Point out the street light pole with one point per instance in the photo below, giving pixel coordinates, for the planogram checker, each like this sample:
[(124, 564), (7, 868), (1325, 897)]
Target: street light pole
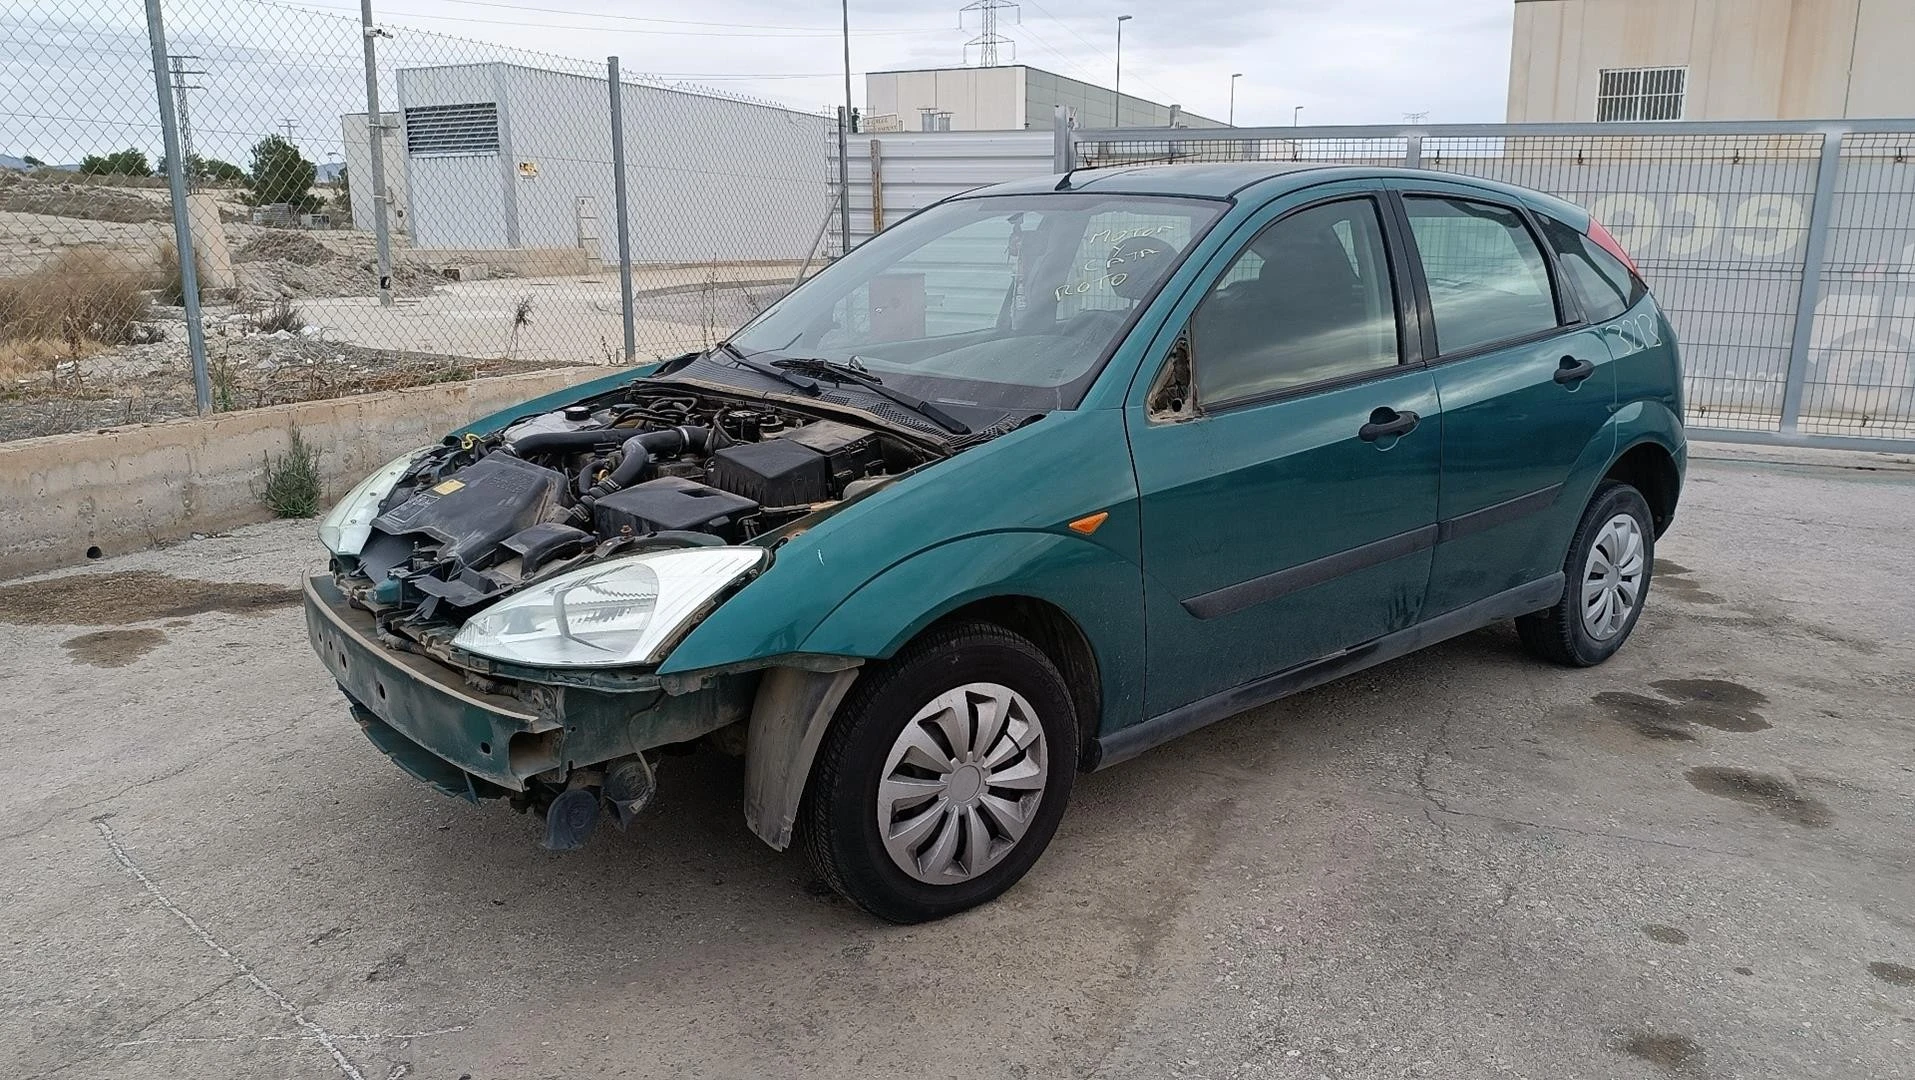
[(1232, 121), (1117, 92), (1293, 115), (844, 141)]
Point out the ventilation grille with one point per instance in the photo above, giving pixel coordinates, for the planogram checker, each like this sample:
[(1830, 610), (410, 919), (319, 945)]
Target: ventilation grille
[(438, 130)]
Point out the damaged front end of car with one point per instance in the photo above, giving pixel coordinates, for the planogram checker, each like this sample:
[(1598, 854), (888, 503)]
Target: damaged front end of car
[(498, 606)]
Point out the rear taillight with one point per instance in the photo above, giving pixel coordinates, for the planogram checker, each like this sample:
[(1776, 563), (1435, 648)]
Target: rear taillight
[(1608, 243)]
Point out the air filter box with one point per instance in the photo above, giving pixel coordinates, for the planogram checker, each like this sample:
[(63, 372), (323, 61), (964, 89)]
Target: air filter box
[(669, 502), (775, 472), (853, 451)]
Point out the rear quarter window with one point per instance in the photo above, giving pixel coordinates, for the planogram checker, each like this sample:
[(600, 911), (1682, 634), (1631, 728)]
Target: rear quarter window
[(1603, 284)]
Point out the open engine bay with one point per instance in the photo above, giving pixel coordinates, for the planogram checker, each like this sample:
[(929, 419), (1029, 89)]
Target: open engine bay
[(645, 467)]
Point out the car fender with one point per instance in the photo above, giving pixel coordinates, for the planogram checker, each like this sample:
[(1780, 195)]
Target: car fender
[(1631, 425), (1097, 588)]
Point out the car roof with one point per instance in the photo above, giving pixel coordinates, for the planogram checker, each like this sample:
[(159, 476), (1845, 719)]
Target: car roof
[(1222, 180)]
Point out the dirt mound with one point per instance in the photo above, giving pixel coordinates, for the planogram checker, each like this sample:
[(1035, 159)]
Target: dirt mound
[(91, 201), (132, 596), (285, 245)]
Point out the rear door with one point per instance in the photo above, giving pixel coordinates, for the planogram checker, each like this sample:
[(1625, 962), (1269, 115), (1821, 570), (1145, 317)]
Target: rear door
[(1526, 387), (1286, 454)]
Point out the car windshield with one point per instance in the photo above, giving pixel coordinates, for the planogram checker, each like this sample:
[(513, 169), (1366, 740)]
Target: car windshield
[(1010, 301)]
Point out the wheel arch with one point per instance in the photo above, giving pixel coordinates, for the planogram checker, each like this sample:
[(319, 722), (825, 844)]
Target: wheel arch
[(1650, 468)]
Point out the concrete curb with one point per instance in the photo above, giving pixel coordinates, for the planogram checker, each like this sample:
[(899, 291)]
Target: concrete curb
[(69, 498), (1702, 449)]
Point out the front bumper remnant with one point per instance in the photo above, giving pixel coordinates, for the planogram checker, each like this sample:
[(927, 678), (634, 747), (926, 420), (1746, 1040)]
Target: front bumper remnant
[(472, 744)]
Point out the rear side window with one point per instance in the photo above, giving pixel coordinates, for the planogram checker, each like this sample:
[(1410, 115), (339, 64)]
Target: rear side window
[(1486, 275), (1602, 282)]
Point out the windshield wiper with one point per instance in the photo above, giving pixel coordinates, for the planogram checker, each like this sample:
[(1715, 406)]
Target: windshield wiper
[(847, 373), (809, 386)]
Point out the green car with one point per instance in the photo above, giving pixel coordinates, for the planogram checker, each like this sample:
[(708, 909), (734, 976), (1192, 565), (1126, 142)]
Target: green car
[(1040, 477)]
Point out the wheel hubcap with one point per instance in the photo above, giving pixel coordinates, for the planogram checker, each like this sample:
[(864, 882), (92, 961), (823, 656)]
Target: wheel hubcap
[(961, 783), (1612, 577)]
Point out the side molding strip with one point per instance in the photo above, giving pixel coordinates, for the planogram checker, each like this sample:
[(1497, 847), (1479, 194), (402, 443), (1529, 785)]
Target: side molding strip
[(1264, 588), (1128, 743), (1258, 590), (1501, 513)]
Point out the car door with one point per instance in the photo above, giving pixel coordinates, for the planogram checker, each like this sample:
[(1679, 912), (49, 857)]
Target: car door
[(1527, 389), (1286, 452)]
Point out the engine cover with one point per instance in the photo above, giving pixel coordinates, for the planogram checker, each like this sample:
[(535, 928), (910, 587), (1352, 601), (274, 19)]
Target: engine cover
[(667, 503), (469, 514)]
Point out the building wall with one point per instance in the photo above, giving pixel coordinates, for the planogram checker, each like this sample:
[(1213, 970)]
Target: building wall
[(1746, 59), (457, 200), (708, 178), (978, 99), (358, 158), (1009, 98)]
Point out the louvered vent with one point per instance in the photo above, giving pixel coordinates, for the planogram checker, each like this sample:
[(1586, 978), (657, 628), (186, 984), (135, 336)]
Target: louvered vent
[(438, 130)]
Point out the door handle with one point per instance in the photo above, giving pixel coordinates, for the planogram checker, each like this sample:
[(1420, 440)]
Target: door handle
[(1386, 422), (1572, 371)]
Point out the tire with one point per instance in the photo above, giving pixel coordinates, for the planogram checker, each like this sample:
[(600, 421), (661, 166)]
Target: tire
[(895, 721), (1562, 634)]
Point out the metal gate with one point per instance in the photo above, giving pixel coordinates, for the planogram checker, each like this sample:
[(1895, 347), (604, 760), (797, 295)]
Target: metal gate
[(1783, 252)]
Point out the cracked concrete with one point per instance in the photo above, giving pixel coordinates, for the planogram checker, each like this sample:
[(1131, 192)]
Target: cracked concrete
[(1437, 868)]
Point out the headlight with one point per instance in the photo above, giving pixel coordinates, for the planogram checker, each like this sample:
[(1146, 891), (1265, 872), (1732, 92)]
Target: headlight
[(344, 530), (624, 612)]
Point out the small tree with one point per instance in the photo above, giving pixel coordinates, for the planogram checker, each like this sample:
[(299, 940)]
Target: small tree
[(34, 162), (212, 169), (127, 162), (281, 174)]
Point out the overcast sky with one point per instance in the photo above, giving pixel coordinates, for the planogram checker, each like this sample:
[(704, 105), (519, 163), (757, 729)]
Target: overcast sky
[(80, 69), (1345, 61)]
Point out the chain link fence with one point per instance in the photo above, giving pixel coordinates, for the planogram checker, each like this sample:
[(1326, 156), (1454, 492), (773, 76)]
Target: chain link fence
[(1783, 253), (299, 129)]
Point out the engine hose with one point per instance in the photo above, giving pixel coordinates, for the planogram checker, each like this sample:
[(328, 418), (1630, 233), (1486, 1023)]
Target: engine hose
[(566, 442), (635, 458)]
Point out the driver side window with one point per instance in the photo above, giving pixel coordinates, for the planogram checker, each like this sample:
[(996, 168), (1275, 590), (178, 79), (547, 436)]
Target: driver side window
[(1309, 299)]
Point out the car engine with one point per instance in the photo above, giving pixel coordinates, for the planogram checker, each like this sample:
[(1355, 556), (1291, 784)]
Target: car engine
[(645, 466)]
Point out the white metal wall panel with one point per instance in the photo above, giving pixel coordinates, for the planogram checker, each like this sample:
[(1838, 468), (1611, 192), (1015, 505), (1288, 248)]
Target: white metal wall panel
[(919, 168)]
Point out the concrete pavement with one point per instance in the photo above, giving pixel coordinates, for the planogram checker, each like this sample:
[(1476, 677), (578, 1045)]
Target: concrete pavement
[(1694, 861)]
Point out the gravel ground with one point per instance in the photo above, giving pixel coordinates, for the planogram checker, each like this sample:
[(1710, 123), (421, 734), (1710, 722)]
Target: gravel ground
[(1693, 861)]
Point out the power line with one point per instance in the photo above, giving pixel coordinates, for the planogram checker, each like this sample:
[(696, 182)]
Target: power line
[(831, 31), (1160, 91), (777, 32)]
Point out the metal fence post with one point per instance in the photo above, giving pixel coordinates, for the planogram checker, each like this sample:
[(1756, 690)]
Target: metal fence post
[(376, 140), (182, 219), (1061, 148), (1813, 254), (1413, 150), (844, 181), (629, 314)]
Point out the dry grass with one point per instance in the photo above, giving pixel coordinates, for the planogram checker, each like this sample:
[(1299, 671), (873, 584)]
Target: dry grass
[(73, 304)]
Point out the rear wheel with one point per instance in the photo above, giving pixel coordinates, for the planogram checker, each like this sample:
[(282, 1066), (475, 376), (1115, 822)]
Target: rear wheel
[(1606, 580), (943, 776)]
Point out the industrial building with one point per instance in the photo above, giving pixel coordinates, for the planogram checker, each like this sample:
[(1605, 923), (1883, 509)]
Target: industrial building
[(1623, 60), (1009, 97), (499, 156)]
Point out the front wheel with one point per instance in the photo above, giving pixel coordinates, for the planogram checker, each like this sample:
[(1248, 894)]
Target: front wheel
[(943, 776), (1606, 582)]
